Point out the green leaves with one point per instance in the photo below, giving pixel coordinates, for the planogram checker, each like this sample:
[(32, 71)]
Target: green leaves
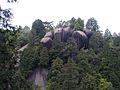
[(54, 75), (97, 68), (88, 82), (107, 35), (105, 85), (33, 57), (77, 24), (92, 24), (38, 28), (70, 76), (7, 60), (64, 77), (43, 57)]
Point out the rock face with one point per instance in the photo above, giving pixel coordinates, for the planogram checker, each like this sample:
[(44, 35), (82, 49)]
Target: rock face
[(58, 34), (80, 38), (63, 34), (49, 34), (46, 42), (39, 78)]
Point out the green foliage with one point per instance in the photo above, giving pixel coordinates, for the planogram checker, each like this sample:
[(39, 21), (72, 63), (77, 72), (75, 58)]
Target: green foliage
[(88, 82), (105, 85), (79, 24), (24, 37), (97, 41), (37, 31), (97, 68), (7, 61), (5, 18), (107, 35), (10, 79), (70, 76), (29, 59), (48, 25), (38, 28), (88, 61), (63, 77), (56, 50), (92, 24), (54, 75), (55, 68), (116, 39), (72, 22), (102, 58), (33, 57), (110, 65), (62, 24), (43, 57), (48, 86)]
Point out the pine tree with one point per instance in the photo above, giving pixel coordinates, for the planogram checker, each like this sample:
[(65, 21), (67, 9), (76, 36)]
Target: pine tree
[(88, 82), (43, 57), (70, 76), (107, 35), (54, 75)]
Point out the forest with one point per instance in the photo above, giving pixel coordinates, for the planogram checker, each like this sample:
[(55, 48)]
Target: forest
[(25, 64)]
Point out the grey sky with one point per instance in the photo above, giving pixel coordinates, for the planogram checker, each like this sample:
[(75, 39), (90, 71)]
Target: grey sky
[(106, 12)]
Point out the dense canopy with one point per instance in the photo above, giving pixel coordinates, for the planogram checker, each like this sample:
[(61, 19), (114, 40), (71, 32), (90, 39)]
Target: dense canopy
[(25, 64)]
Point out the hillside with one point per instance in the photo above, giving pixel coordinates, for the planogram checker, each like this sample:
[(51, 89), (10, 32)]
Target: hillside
[(79, 62)]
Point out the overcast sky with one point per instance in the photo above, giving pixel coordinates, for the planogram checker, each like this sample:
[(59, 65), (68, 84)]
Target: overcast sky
[(106, 12)]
